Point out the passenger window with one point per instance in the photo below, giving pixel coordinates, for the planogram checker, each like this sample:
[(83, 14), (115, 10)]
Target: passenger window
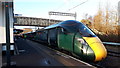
[(62, 30)]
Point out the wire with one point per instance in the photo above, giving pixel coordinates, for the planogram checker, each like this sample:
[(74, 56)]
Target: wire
[(77, 5)]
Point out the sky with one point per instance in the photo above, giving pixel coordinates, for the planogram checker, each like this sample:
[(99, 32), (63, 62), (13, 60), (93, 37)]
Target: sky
[(40, 8)]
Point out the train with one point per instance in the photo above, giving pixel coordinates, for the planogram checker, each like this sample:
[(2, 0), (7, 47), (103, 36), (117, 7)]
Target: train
[(72, 36)]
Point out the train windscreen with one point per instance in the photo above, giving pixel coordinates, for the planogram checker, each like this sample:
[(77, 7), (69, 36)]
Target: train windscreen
[(85, 31)]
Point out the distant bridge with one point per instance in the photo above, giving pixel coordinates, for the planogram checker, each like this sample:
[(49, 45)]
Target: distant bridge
[(32, 21)]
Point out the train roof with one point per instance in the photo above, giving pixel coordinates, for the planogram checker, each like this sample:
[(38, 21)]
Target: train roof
[(69, 25)]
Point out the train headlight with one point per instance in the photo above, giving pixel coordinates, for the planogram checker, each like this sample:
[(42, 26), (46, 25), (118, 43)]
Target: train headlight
[(84, 45)]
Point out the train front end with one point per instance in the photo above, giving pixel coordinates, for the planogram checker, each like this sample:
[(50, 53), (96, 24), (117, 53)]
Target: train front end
[(90, 46), (98, 48)]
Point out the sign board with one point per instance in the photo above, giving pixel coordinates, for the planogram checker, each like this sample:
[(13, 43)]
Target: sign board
[(62, 14)]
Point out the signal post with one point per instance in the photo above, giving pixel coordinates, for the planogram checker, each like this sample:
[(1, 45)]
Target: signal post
[(6, 29)]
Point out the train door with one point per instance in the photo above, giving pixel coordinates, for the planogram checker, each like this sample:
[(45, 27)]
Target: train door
[(52, 37), (65, 39), (43, 36), (78, 47)]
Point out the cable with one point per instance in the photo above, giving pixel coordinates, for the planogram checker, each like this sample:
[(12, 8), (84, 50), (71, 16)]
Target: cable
[(77, 5)]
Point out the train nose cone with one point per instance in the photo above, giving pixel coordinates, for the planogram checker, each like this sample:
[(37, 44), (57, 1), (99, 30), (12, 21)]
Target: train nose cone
[(99, 50), (97, 46)]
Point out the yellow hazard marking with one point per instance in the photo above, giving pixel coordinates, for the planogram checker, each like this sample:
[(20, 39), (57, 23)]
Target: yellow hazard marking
[(97, 47)]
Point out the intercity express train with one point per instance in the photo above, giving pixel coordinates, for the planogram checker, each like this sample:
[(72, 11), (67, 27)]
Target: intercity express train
[(72, 36)]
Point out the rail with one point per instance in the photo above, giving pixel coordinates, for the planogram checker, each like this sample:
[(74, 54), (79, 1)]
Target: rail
[(111, 43)]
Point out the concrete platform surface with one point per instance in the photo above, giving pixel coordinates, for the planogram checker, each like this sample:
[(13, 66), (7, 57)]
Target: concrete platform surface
[(35, 54)]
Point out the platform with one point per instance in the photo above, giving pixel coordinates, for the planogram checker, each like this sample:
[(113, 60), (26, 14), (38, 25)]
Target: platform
[(35, 54)]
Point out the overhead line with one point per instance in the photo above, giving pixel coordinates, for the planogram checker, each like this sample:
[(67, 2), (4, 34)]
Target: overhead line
[(78, 5)]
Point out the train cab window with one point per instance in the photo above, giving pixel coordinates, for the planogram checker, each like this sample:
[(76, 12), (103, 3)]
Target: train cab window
[(86, 32)]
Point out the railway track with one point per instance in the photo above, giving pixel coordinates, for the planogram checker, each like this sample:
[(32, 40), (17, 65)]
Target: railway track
[(114, 54), (101, 64)]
